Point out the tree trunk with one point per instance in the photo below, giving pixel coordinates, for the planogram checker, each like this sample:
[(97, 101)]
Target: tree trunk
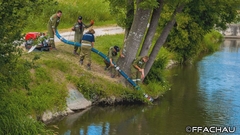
[(152, 29), (135, 36), (161, 40)]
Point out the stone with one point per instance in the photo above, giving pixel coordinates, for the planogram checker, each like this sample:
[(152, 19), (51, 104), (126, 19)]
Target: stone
[(76, 101)]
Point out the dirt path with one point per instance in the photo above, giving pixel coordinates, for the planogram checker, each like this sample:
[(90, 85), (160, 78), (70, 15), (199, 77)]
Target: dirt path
[(99, 31)]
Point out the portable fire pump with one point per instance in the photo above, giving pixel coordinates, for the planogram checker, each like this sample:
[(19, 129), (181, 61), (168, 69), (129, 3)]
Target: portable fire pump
[(36, 41)]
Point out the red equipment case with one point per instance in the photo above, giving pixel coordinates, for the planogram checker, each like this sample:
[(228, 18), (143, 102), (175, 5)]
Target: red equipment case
[(32, 35)]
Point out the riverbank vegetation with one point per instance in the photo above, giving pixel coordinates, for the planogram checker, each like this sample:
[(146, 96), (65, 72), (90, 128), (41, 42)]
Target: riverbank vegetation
[(71, 9), (31, 83), (186, 52)]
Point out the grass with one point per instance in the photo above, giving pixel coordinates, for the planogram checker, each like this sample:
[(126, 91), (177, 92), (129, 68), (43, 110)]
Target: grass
[(97, 10), (57, 70), (103, 43)]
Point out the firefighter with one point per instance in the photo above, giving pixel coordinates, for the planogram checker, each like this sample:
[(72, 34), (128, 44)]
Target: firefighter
[(79, 28), (113, 57), (88, 40), (137, 68), (52, 26)]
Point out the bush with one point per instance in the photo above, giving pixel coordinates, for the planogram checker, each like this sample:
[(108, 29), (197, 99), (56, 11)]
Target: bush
[(211, 42), (156, 73)]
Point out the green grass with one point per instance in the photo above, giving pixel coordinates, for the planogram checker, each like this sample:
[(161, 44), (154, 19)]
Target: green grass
[(103, 43), (55, 70), (97, 10)]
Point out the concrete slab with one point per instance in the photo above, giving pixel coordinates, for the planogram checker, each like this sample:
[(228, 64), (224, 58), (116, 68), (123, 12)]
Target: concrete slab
[(76, 100)]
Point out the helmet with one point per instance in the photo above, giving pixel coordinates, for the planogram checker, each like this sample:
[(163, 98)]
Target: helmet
[(80, 18), (116, 48)]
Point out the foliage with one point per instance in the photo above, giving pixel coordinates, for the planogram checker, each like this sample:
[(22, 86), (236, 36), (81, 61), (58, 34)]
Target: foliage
[(13, 17), (211, 42), (198, 19), (15, 76), (15, 105), (13, 120), (96, 10), (188, 52), (156, 74), (47, 96), (156, 78), (182, 43), (119, 10), (191, 20), (155, 89), (149, 4)]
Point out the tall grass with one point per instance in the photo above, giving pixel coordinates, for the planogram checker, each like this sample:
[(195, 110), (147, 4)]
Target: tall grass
[(97, 10), (17, 104), (211, 42)]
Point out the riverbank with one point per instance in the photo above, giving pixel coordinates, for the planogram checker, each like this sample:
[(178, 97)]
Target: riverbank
[(62, 70), (63, 73)]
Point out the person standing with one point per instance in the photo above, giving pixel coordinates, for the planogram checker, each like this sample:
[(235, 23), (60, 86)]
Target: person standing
[(88, 40), (79, 28), (137, 68), (113, 57), (52, 26)]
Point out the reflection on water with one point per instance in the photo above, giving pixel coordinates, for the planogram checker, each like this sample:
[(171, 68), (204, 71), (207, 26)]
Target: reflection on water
[(206, 94), (92, 129)]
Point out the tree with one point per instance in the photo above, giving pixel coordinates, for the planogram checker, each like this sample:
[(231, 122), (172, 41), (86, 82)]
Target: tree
[(14, 75), (196, 22), (168, 15), (135, 36), (152, 29), (163, 36), (137, 31)]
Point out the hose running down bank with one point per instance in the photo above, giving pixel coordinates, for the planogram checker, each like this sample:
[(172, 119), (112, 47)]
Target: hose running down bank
[(106, 58)]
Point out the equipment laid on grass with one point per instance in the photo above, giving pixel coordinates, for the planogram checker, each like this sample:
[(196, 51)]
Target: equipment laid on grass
[(36, 41), (107, 59)]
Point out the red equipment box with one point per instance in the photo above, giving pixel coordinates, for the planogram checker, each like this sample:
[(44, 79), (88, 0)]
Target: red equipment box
[(32, 35)]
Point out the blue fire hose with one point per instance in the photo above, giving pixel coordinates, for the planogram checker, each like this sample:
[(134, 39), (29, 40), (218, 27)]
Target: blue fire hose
[(106, 58)]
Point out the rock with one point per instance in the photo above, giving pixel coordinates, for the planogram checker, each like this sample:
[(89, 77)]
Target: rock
[(49, 115), (69, 111), (76, 100)]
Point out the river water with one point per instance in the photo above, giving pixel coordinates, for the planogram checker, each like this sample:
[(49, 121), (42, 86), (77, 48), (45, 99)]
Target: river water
[(204, 98)]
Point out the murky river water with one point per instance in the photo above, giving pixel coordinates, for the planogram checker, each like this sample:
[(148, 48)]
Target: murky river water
[(205, 97)]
